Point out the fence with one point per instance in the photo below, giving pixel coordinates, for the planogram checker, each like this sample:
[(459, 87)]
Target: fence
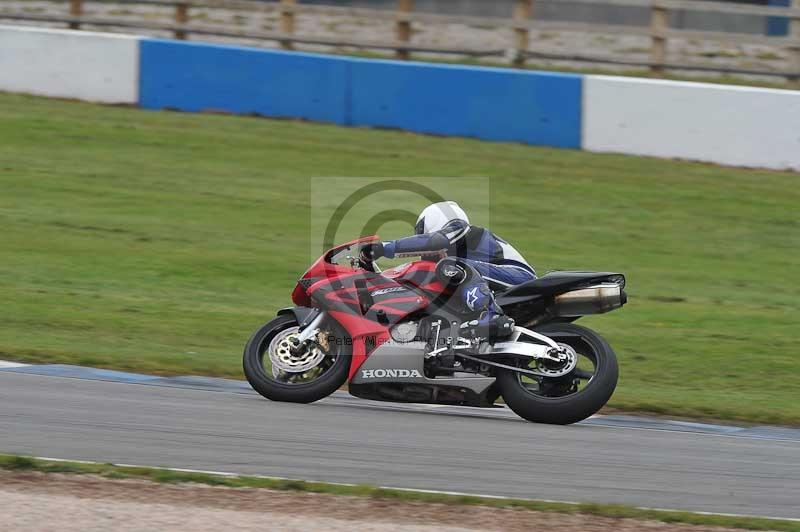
[(744, 126), (519, 25)]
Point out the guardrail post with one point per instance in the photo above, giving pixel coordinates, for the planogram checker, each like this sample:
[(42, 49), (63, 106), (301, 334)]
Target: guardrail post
[(181, 18), (402, 27), (522, 13), (794, 50), (287, 22), (75, 10), (659, 23)]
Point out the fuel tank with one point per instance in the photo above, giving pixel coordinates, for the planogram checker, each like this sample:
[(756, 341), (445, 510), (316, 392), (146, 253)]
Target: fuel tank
[(377, 297)]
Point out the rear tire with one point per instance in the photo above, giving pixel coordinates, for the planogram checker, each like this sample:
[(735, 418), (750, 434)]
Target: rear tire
[(575, 406), (306, 392)]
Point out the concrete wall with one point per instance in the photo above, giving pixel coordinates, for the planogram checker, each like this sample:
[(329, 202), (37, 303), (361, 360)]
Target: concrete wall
[(740, 126), (69, 64)]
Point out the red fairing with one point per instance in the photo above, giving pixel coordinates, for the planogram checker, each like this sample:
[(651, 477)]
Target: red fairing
[(335, 289), (360, 330), (421, 274), (324, 269), (299, 297), (364, 303)]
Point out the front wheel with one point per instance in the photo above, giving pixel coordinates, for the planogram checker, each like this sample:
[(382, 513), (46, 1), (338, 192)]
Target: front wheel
[(573, 397), (280, 373)]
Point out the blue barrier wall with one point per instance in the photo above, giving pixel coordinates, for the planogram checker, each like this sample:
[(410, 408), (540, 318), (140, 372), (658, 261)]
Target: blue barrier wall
[(198, 77), (778, 26), (488, 103)]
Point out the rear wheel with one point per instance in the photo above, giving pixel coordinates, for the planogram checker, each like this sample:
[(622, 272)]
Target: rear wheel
[(280, 373), (573, 397)]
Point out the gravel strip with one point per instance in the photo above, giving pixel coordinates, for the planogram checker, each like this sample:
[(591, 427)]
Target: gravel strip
[(72, 503)]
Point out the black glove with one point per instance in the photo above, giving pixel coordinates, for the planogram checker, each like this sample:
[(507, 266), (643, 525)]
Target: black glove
[(372, 251)]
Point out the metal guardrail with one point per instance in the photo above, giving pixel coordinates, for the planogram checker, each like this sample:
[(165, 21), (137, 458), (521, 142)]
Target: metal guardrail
[(522, 21)]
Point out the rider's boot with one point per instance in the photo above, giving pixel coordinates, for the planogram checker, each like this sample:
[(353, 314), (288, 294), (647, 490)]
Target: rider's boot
[(492, 324)]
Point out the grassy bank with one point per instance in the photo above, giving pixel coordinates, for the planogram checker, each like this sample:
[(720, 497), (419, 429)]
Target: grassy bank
[(21, 463), (156, 242)]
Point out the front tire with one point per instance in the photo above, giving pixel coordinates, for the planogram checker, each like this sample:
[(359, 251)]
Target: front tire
[(542, 403), (265, 381)]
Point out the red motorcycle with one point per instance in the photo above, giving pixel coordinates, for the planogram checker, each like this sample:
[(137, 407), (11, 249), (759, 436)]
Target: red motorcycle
[(394, 336)]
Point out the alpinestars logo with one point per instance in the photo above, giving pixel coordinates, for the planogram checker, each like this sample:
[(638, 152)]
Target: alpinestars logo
[(394, 373), (472, 297)]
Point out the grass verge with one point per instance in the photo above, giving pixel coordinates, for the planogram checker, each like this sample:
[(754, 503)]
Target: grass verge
[(22, 463), (156, 242)]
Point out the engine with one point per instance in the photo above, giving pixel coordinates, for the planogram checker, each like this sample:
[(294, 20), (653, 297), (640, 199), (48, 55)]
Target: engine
[(405, 332)]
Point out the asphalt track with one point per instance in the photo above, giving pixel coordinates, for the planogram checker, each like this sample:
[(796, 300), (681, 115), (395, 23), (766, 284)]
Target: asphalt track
[(213, 424)]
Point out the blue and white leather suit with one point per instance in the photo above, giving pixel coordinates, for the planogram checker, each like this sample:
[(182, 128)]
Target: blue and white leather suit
[(493, 258)]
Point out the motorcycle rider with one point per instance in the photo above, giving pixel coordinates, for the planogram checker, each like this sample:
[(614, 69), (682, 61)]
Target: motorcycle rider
[(445, 226)]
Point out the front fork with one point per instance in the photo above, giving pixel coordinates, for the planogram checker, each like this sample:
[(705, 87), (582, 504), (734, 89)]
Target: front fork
[(309, 330)]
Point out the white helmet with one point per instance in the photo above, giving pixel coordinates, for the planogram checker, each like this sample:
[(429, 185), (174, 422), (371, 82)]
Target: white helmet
[(438, 215)]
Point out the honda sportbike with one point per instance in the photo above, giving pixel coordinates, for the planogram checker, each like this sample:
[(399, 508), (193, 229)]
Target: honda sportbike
[(395, 335)]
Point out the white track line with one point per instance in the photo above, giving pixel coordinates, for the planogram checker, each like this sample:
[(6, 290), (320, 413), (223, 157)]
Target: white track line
[(412, 490), (6, 364)]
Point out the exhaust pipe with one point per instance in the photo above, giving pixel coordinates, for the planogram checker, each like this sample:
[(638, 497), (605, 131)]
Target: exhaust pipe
[(595, 299)]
